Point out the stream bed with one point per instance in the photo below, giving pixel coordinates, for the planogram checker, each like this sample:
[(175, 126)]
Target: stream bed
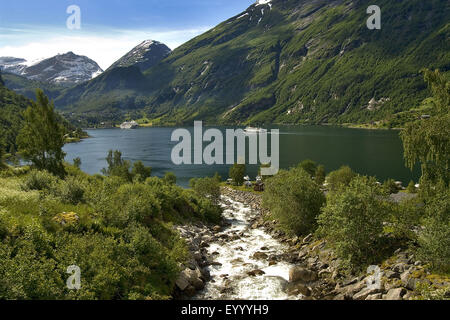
[(248, 263)]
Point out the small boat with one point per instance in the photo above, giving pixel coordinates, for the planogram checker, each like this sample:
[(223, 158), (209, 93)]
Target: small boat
[(254, 130), (129, 125)]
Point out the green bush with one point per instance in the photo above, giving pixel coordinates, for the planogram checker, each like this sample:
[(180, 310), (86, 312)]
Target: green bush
[(140, 172), (411, 187), (434, 240), (390, 187), (134, 203), (406, 218), (309, 166), (207, 188), (77, 162), (340, 178), (71, 191), (353, 220), (320, 175), (294, 199), (170, 178), (39, 180), (237, 173), (117, 166)]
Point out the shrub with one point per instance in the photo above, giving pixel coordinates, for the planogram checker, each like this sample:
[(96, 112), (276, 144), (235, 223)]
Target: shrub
[(77, 162), (117, 166), (411, 187), (406, 218), (135, 202), (434, 241), (207, 188), (390, 187), (294, 199), (320, 175), (237, 173), (353, 221), (2, 157), (309, 166), (170, 178), (39, 180), (210, 212), (340, 178), (71, 191), (140, 172)]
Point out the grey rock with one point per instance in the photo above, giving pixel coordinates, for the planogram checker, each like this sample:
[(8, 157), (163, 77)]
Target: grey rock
[(395, 294), (364, 293), (301, 274)]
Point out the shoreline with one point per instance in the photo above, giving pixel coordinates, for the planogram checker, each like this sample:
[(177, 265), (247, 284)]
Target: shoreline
[(401, 274)]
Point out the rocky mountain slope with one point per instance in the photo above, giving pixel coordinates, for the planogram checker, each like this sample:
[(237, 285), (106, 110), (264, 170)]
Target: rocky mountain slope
[(287, 61), (64, 69), (144, 56)]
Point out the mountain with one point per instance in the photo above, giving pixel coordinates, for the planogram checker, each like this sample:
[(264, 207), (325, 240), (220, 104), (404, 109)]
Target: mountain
[(64, 69), (287, 61), (12, 65), (27, 87), (144, 56)]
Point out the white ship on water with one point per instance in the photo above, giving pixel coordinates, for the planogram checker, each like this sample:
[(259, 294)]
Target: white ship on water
[(254, 130), (129, 125)]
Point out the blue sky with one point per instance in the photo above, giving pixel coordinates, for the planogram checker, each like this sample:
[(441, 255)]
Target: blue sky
[(37, 29)]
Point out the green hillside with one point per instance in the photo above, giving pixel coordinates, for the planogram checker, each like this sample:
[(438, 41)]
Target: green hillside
[(286, 62), (11, 107), (27, 87)]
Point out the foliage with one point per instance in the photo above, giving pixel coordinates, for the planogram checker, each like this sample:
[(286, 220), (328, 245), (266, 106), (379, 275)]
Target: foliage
[(427, 141), (170, 178), (406, 219), (411, 188), (426, 291), (390, 187), (353, 221), (309, 166), (42, 137), (207, 188), (320, 175), (71, 191), (118, 232), (39, 180), (140, 171), (434, 240), (237, 173), (117, 166), (340, 178), (294, 199), (77, 162)]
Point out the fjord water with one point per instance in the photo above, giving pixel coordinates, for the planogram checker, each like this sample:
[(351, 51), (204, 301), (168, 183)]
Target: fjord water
[(371, 152)]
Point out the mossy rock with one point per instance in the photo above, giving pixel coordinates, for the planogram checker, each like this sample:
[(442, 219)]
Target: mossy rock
[(66, 218)]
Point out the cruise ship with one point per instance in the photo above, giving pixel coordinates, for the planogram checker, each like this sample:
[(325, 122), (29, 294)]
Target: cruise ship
[(129, 125)]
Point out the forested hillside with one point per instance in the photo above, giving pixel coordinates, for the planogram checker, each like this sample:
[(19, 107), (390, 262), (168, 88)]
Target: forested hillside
[(286, 61)]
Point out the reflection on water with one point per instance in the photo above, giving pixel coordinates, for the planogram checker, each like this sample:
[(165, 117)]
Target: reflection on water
[(371, 152)]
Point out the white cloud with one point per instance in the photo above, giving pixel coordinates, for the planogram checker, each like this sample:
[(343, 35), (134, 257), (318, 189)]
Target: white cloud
[(104, 47)]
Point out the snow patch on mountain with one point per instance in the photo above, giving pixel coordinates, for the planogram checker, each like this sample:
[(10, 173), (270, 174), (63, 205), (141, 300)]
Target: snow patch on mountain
[(263, 2), (64, 69), (144, 56)]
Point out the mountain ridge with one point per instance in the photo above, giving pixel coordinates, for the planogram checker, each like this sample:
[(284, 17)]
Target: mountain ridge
[(292, 62), (145, 55), (63, 69)]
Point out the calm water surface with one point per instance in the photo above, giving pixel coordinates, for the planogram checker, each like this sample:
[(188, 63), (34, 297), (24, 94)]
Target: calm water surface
[(372, 152)]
